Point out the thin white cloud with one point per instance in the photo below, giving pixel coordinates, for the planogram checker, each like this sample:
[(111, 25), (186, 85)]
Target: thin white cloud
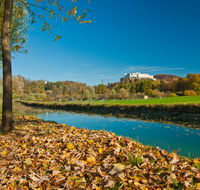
[(69, 73), (138, 68)]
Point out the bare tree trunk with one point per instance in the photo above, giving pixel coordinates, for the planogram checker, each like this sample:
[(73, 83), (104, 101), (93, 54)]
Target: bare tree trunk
[(7, 120)]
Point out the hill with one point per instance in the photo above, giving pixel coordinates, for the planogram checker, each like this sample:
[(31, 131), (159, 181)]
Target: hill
[(165, 77)]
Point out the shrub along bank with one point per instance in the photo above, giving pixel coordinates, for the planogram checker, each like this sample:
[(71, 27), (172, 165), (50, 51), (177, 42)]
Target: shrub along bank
[(166, 112)]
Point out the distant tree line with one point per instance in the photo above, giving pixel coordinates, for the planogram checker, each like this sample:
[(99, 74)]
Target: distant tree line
[(41, 90)]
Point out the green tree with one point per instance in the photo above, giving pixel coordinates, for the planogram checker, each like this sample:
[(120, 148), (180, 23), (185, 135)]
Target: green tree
[(7, 121), (133, 88), (19, 27), (100, 89), (144, 86), (41, 86), (193, 78), (87, 95)]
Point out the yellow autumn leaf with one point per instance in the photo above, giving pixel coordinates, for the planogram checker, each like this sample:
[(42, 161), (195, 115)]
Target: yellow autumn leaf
[(79, 182), (198, 185), (144, 188), (98, 179), (13, 184), (55, 153), (64, 125), (72, 128), (5, 145), (57, 38), (136, 183), (17, 169), (4, 152), (100, 150), (196, 161), (51, 13), (70, 146), (90, 141), (91, 159), (24, 145), (136, 178)]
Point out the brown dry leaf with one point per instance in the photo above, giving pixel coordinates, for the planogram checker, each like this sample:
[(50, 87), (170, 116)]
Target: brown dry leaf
[(117, 167), (110, 184), (28, 161), (112, 142), (174, 160), (195, 170), (197, 175), (55, 172), (82, 165)]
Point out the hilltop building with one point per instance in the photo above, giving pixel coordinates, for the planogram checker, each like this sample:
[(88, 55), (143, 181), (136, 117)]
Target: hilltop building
[(137, 75)]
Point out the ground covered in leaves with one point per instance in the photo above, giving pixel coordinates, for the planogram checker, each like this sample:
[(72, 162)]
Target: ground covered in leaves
[(47, 155)]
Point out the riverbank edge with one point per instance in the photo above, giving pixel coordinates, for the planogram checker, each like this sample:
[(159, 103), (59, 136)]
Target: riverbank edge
[(166, 112)]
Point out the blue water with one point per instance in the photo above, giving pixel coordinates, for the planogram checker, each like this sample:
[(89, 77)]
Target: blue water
[(166, 136)]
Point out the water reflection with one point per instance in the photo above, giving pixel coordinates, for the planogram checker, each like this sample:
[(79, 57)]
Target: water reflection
[(167, 136)]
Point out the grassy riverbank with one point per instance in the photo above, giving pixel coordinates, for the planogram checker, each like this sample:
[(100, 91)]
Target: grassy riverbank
[(166, 100), (186, 114), (47, 155)]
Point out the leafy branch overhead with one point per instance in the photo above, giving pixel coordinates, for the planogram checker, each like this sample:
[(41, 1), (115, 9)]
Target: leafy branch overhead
[(54, 8), (19, 28)]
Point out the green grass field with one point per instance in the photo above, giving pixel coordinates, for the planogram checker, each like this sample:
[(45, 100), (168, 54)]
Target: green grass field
[(167, 100)]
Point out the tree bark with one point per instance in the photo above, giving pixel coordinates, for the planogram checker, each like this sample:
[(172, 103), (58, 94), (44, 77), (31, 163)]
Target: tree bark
[(7, 120)]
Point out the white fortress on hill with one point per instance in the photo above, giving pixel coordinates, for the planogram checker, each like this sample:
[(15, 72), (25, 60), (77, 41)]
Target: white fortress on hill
[(137, 75)]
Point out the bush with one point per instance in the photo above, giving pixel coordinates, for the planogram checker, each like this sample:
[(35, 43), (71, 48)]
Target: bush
[(43, 96), (190, 93), (172, 95), (123, 94), (31, 97)]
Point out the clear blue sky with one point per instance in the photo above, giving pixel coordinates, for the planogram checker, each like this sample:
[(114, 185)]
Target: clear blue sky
[(147, 36)]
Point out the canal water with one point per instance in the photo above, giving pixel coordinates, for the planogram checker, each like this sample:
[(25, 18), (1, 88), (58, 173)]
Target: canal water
[(176, 138)]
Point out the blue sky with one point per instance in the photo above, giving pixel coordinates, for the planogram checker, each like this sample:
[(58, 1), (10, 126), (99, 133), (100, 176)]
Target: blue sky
[(147, 36)]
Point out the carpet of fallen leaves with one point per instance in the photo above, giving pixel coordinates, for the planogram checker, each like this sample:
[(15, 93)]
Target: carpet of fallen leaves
[(46, 155)]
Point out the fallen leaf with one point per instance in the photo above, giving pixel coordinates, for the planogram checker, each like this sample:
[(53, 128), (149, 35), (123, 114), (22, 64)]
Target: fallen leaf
[(91, 160), (117, 167), (28, 161), (100, 150), (4, 152)]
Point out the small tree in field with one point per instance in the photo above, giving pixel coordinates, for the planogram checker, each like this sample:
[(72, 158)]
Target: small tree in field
[(34, 10), (123, 94)]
